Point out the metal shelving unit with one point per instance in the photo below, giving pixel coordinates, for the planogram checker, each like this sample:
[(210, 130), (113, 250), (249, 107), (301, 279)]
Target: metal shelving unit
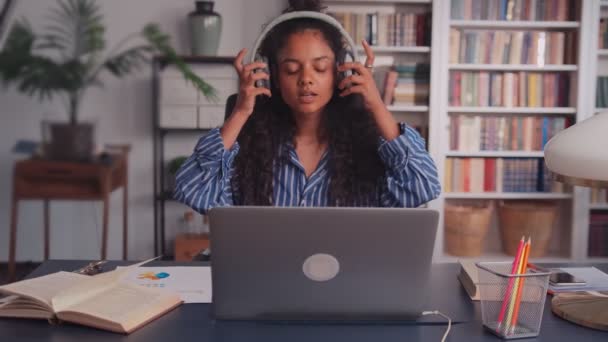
[(162, 195)]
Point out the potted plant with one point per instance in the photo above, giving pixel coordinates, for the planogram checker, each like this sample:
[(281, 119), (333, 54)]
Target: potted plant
[(173, 167), (69, 57)]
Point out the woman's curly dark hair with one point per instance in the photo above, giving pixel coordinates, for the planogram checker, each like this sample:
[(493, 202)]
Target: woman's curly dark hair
[(352, 136)]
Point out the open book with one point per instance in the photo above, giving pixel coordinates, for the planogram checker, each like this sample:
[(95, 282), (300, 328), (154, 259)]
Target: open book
[(102, 301)]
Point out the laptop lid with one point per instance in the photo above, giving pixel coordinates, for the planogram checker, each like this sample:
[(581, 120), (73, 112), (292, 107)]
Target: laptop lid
[(321, 263)]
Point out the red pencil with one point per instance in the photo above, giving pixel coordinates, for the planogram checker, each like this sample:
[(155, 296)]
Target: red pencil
[(513, 322), (514, 268)]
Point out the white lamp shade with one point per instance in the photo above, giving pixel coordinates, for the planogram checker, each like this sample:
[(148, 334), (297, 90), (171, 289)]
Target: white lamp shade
[(579, 154)]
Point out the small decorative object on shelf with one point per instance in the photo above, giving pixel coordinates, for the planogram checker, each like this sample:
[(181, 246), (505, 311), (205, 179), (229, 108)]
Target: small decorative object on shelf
[(205, 29)]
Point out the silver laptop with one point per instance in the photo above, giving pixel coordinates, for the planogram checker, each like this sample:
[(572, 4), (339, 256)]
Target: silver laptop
[(274, 263)]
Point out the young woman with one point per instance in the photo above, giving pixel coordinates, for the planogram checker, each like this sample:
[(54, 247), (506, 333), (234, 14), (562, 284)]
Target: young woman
[(309, 139)]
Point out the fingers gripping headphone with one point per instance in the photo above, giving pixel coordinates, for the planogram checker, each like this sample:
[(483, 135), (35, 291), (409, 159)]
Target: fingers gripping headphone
[(349, 53)]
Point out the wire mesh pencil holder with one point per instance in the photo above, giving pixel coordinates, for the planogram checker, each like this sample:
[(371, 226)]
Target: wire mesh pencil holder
[(512, 305)]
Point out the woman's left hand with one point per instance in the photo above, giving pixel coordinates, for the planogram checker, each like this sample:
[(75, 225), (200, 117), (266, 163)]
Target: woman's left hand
[(362, 81)]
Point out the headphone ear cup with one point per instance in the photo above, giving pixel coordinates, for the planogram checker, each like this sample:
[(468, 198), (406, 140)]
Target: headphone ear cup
[(340, 59), (341, 75), (262, 83)]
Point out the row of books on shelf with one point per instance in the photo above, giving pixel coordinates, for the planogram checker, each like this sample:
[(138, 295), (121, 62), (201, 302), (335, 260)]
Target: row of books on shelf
[(499, 133), (513, 47), (598, 233), (547, 10), (601, 92), (407, 84), (599, 196), (498, 175), (510, 89), (387, 29), (603, 34)]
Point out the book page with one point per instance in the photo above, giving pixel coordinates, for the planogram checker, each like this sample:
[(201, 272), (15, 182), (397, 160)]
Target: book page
[(124, 303), (22, 307), (44, 288), (90, 287)]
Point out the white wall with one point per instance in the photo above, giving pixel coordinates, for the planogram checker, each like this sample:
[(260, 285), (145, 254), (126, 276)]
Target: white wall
[(122, 111)]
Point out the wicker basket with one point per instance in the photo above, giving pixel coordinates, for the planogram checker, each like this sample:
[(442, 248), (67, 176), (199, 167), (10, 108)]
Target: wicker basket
[(466, 227), (526, 218)]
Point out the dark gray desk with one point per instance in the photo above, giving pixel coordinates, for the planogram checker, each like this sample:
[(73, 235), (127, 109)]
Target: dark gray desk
[(192, 322)]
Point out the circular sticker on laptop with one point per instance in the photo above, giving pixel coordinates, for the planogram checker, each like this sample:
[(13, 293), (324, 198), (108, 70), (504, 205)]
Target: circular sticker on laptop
[(321, 267)]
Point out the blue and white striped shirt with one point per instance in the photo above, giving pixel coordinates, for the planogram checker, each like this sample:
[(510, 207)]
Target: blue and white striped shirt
[(203, 181)]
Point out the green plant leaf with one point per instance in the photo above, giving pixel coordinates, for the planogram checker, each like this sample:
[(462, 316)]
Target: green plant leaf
[(128, 60), (78, 25), (16, 50), (161, 42), (176, 163), (68, 56)]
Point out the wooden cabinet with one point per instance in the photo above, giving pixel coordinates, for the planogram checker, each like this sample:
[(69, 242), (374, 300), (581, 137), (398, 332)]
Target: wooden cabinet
[(189, 245)]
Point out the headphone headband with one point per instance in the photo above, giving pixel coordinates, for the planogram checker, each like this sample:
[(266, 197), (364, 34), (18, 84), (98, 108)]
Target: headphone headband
[(304, 14)]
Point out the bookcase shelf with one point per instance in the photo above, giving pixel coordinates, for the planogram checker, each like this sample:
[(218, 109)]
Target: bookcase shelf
[(598, 206), (399, 49), (497, 154), (406, 109), (571, 243), (571, 226), (513, 110), (506, 195), (375, 2), (514, 25), (513, 67)]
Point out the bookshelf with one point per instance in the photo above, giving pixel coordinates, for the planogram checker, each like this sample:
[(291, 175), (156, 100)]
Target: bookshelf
[(400, 37), (570, 237), (507, 195), (520, 25), (377, 2), (515, 67), (566, 244), (596, 225), (496, 154), (399, 49), (598, 206), (514, 110), (402, 108)]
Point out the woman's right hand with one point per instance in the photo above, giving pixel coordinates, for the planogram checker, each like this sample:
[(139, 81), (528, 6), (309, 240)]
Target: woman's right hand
[(247, 90)]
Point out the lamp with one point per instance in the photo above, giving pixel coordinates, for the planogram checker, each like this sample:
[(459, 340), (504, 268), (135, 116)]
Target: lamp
[(579, 156)]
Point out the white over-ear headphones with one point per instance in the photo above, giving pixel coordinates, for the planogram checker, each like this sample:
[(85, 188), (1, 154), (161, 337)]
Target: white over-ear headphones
[(351, 48)]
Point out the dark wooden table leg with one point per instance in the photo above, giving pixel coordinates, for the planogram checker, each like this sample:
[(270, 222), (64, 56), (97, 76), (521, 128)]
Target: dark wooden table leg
[(104, 233), (125, 215), (13, 237), (46, 229)]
